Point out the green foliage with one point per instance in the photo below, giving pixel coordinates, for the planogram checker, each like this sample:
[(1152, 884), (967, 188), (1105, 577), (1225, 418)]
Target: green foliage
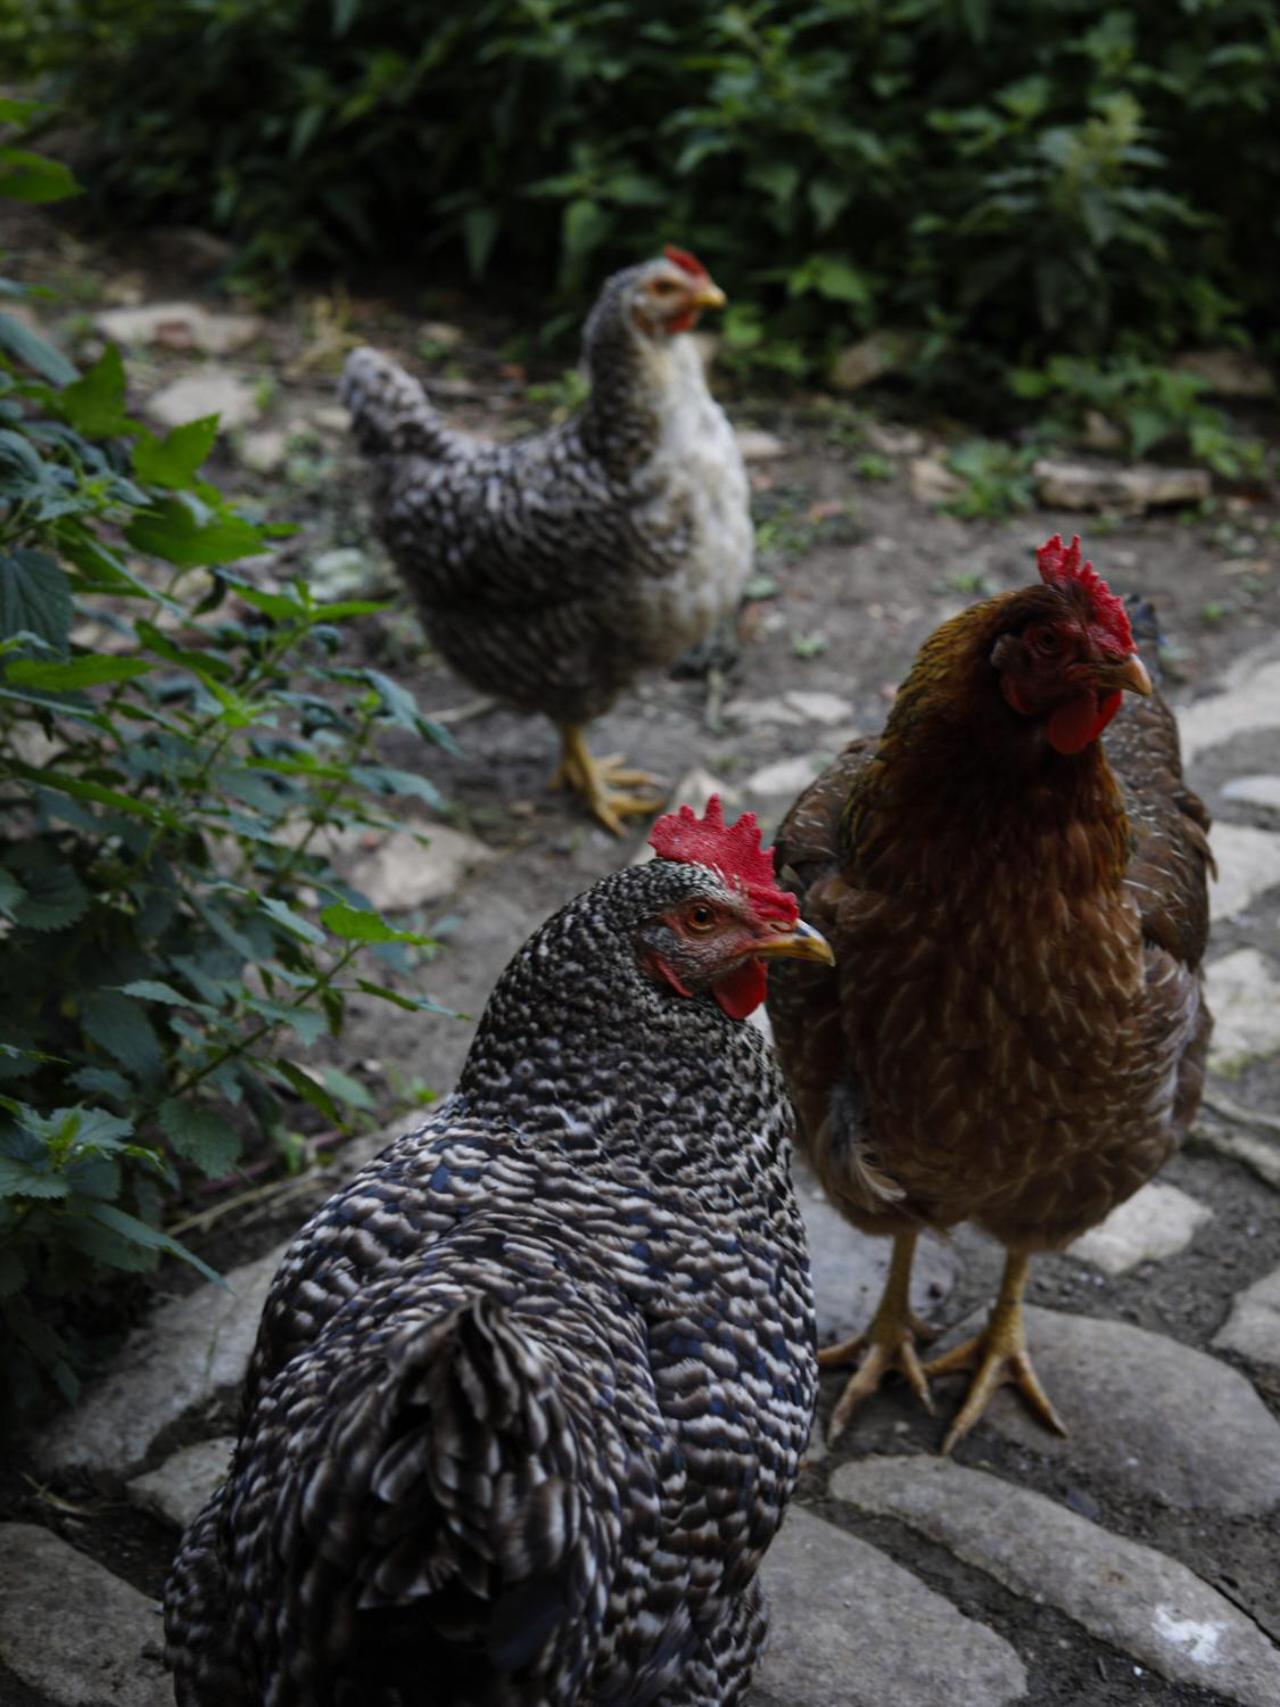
[(1152, 407), (997, 478), (174, 739), (1002, 179)]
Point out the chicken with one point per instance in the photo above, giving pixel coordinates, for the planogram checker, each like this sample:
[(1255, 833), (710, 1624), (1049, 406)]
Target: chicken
[(1016, 1030), (529, 1396), (553, 571)]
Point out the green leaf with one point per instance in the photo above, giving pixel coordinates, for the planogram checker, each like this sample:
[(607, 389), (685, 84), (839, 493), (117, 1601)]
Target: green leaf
[(173, 460), (35, 598), (120, 1025), (55, 896), (28, 177), (480, 233), (152, 1238), (201, 1134), (12, 894), (309, 1090), (87, 671), (155, 990), (411, 1004), (94, 403), (358, 924), (27, 347), (344, 12), (20, 1179), (347, 1089), (291, 921), (172, 530)]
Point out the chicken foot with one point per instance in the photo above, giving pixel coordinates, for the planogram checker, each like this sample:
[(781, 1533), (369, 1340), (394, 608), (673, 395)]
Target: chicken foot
[(999, 1356), (889, 1342), (600, 781)]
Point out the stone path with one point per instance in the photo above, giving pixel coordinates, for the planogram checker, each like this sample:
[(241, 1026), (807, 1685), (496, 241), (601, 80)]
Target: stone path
[(899, 1576)]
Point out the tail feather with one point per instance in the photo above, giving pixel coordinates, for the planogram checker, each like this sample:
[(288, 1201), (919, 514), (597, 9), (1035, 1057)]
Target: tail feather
[(389, 409)]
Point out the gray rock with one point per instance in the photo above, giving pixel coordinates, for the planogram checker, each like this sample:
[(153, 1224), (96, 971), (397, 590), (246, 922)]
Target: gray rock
[(265, 452), (866, 361), (849, 1268), (1228, 373), (754, 445), (1147, 1413), (181, 1485), (1244, 998), (345, 570), (331, 418), (71, 1630), (888, 440), (932, 482), (1250, 700), (850, 1628), (1123, 1593), (212, 391), (1253, 1327), (1156, 1222), (784, 778), (1248, 865), (180, 326), (1260, 1154), (1253, 791), (754, 712), (401, 872), (1089, 486), (820, 707), (190, 1351)]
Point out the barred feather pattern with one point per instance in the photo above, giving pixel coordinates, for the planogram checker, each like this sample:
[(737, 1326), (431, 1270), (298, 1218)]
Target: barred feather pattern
[(551, 571), (529, 1396), (1016, 1031)]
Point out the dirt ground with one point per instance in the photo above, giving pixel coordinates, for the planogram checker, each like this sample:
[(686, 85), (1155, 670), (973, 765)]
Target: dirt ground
[(853, 573)]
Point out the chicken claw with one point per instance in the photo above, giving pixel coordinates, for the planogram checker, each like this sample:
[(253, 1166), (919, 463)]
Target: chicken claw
[(599, 781), (999, 1356), (888, 1343)]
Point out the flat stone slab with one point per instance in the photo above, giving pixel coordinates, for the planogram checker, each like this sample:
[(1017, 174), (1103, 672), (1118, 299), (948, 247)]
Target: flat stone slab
[(1146, 1412), (1158, 1221), (820, 707), (71, 1630), (1248, 865), (849, 1267), (784, 777), (1253, 790), (1244, 999), (180, 326), (402, 872), (178, 1489), (191, 1349), (1250, 700), (850, 1628), (1253, 1327), (1143, 1602), (212, 392)]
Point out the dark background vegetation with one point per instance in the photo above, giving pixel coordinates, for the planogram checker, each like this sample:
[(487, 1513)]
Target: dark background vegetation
[(1029, 207)]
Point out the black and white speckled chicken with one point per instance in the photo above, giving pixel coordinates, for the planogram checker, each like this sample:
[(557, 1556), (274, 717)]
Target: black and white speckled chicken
[(529, 1396), (553, 571)]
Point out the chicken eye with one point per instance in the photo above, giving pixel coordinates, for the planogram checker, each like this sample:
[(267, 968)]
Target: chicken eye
[(1046, 641), (700, 917), (663, 287)]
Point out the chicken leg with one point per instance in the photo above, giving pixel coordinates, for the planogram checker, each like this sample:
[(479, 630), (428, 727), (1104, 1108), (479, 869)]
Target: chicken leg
[(598, 781), (999, 1356), (888, 1343)]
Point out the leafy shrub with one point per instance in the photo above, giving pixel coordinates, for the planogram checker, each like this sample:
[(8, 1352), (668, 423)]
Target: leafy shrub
[(164, 794), (1009, 180)]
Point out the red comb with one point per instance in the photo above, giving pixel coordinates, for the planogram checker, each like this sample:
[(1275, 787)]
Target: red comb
[(732, 850), (1060, 566), (686, 262)]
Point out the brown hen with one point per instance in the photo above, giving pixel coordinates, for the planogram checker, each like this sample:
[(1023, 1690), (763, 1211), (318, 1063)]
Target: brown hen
[(1015, 1031)]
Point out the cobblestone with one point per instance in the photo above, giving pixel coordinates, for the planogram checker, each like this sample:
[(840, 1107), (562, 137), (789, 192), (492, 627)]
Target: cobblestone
[(1145, 1603), (1156, 1222), (1253, 1327), (853, 1629), (1147, 1413)]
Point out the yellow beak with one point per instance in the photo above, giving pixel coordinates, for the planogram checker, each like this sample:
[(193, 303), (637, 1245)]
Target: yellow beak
[(707, 295), (1131, 674), (800, 942)]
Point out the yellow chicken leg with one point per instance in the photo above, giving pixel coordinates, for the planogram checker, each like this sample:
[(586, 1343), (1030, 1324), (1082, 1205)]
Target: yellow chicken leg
[(888, 1343), (599, 780), (999, 1356)]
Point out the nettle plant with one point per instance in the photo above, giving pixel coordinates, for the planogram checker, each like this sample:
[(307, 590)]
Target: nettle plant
[(171, 930)]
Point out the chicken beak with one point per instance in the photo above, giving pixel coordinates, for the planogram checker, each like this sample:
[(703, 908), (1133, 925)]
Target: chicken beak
[(707, 295), (800, 942), (1131, 674)]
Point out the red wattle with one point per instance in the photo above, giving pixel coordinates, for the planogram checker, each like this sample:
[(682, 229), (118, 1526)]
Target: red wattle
[(742, 990), (1073, 725)]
